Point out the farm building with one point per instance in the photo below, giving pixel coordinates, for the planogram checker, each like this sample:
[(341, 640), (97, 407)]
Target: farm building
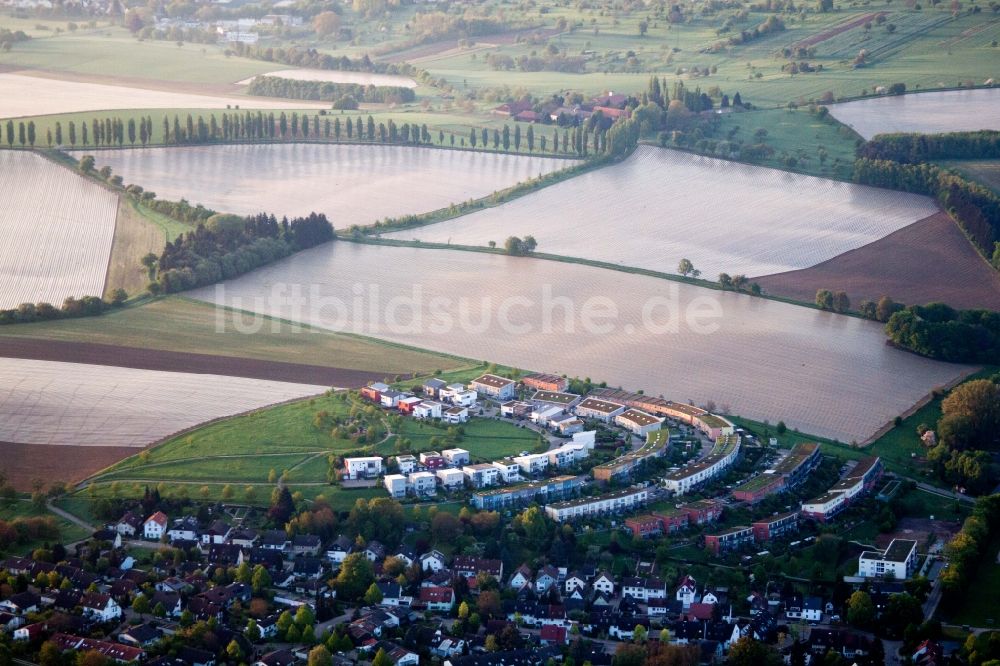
[(493, 386), (367, 467), (899, 560), (546, 490), (775, 526), (730, 539), (638, 421), (617, 501), (601, 410), (544, 382)]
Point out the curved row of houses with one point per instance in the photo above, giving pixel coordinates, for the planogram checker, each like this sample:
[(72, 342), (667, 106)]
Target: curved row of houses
[(711, 425), (656, 446), (856, 482), (788, 473), (722, 456)]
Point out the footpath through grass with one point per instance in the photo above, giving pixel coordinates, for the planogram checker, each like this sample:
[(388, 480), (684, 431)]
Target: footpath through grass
[(68, 532)]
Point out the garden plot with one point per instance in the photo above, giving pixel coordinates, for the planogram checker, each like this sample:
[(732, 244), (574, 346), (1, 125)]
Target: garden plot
[(22, 95), (926, 113), (72, 404), (58, 229), (352, 184), (334, 76), (823, 373), (660, 206)]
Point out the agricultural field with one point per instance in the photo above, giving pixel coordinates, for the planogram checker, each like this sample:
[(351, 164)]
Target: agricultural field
[(928, 261), (986, 172), (926, 113), (758, 358), (335, 76), (50, 96), (135, 236), (352, 184), (58, 232), (178, 324), (77, 405), (722, 216)]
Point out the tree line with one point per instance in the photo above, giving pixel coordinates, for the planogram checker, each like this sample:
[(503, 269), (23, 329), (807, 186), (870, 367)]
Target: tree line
[(275, 86), (88, 306), (311, 58), (228, 245), (967, 549), (940, 332), (976, 208), (966, 436), (917, 148)]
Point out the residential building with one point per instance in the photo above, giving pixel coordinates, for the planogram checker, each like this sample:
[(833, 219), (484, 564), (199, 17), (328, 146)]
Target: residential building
[(644, 589), (898, 561), (432, 460), (618, 501), (432, 387), (545, 490), (450, 478), (433, 561), (601, 410), (775, 526), (493, 386), (406, 463), (373, 392), (100, 607), (155, 526), (730, 539), (623, 467), (395, 485), (437, 599), (456, 457), (367, 467), (483, 475), (422, 483), (509, 471), (757, 488), (720, 458), (458, 395), (545, 382), (428, 409), (559, 399), (533, 463), (470, 567), (638, 421), (456, 415), (408, 404), (516, 409), (857, 481), (566, 455), (390, 398)]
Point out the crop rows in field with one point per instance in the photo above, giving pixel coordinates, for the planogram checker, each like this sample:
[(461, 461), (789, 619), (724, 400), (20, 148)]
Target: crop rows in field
[(660, 206), (47, 402), (58, 229), (824, 373), (352, 184), (336, 76), (927, 113), (22, 95)]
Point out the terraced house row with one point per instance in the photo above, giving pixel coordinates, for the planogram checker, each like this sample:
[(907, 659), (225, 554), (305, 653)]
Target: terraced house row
[(856, 482), (792, 470), (720, 458)]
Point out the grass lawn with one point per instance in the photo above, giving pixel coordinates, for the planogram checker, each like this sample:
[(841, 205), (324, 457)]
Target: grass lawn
[(986, 172), (244, 469), (981, 609), (184, 325), (68, 531), (485, 439)]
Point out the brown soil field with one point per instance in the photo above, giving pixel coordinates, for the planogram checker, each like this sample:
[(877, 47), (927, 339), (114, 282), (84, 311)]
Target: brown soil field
[(930, 260), (205, 364), (23, 463), (135, 237)]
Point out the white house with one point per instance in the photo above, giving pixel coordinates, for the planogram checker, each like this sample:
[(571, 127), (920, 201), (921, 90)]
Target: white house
[(390, 398), (588, 439), (366, 467), (455, 415), (509, 470), (100, 607), (395, 485), (433, 561), (339, 550), (604, 584), (428, 409), (155, 526), (638, 421), (898, 561), (406, 463), (438, 599), (687, 591), (482, 475), (184, 529), (567, 454), (457, 394), (521, 578), (545, 578), (450, 478), (601, 410), (456, 457), (574, 582), (493, 386), (423, 483), (533, 463)]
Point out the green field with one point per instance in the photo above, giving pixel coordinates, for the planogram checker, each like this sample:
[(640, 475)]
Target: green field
[(986, 172), (68, 532), (184, 325), (484, 439)]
